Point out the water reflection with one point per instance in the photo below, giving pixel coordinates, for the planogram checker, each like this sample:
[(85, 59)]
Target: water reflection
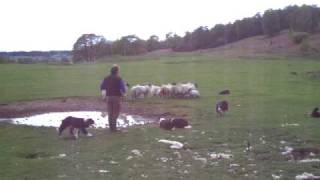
[(101, 119)]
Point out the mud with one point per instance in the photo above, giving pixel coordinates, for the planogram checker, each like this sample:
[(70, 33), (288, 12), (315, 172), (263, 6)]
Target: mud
[(148, 111)]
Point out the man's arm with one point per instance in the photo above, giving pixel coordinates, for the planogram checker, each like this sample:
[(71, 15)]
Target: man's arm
[(103, 88), (103, 85), (123, 88)]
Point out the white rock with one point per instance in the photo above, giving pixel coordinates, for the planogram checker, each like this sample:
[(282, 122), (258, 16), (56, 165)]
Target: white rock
[(220, 156), (306, 176), (113, 162), (136, 152), (144, 176), (288, 124), (276, 177), (287, 151), (164, 159), (62, 176), (62, 155), (283, 142), (309, 160), (234, 165), (173, 144), (103, 171)]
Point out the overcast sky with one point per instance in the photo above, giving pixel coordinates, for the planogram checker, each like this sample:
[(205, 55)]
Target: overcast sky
[(56, 24)]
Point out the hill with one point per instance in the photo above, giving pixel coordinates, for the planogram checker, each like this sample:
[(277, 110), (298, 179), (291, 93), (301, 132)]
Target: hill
[(280, 45)]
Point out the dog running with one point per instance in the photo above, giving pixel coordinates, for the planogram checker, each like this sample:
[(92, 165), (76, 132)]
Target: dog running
[(75, 123), (222, 107)]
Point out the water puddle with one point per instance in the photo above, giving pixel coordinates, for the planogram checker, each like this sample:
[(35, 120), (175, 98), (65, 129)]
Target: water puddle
[(101, 120)]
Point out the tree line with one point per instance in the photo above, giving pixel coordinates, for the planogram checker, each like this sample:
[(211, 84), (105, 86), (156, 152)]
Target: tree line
[(305, 18)]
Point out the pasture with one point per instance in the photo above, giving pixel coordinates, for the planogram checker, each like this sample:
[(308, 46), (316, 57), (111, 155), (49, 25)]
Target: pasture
[(265, 94)]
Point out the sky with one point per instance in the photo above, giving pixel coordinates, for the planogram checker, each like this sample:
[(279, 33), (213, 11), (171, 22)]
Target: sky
[(27, 25)]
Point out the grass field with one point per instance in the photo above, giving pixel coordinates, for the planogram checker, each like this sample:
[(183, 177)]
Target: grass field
[(264, 95)]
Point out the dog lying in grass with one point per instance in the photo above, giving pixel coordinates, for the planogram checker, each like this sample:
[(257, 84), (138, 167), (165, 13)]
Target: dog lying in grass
[(75, 123), (315, 113), (169, 124)]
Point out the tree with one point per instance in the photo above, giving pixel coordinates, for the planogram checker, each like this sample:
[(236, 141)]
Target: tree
[(201, 37), (230, 33), (153, 43), (86, 46), (130, 45), (271, 22), (217, 35), (173, 41)]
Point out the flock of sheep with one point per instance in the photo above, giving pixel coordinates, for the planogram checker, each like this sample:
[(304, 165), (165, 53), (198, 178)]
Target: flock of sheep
[(172, 90)]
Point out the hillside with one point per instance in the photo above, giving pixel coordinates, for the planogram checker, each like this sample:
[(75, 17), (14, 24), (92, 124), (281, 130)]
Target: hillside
[(280, 45), (257, 46)]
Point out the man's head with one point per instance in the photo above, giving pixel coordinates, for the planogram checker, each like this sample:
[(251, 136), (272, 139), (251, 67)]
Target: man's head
[(115, 69)]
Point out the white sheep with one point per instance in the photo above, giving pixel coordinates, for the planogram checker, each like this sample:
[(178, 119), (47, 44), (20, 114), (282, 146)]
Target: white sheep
[(193, 94), (154, 90), (140, 91), (166, 90), (182, 90)]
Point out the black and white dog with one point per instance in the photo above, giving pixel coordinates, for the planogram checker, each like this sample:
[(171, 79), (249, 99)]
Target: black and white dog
[(315, 113), (75, 123), (169, 124), (222, 107)]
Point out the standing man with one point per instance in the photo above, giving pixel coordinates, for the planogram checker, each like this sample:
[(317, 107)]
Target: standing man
[(113, 88)]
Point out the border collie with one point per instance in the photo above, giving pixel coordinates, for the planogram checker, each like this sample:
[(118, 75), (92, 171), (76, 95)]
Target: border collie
[(315, 113), (169, 124), (222, 107), (75, 123), (225, 92)]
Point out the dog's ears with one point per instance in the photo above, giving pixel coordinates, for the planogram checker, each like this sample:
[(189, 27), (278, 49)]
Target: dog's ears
[(88, 120)]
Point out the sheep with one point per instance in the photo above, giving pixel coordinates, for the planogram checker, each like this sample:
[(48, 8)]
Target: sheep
[(166, 90), (185, 90), (154, 90), (180, 90), (193, 94), (140, 91)]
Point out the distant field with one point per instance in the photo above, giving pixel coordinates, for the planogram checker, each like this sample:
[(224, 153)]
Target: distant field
[(264, 95)]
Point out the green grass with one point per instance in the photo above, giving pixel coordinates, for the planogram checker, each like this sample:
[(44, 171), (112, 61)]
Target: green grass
[(264, 96)]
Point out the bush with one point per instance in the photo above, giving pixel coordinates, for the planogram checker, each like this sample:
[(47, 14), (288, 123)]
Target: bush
[(4, 60), (25, 61), (299, 37)]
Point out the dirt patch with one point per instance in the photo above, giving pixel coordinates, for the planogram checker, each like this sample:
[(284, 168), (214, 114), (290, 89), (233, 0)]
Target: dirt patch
[(28, 108)]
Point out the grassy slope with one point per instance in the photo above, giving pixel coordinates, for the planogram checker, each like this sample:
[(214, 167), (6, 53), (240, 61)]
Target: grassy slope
[(267, 93)]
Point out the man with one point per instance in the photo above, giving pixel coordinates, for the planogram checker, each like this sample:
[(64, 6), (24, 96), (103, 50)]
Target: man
[(114, 89)]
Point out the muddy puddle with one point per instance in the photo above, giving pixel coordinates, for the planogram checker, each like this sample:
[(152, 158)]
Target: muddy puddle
[(101, 119)]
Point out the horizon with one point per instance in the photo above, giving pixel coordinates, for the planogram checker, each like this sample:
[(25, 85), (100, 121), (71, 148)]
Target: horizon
[(46, 25)]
